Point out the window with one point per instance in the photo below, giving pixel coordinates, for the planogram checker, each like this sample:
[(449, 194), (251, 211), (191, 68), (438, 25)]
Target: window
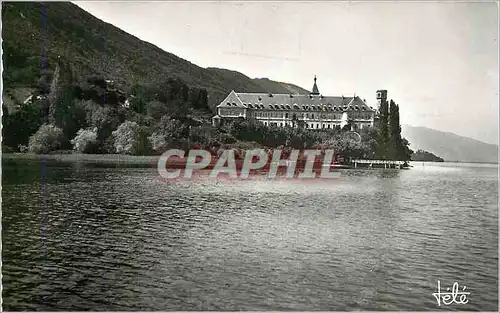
[(286, 115), (281, 124), (317, 125), (312, 116), (307, 125)]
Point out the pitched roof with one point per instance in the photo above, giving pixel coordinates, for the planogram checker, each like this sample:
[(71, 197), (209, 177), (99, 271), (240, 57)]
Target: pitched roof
[(300, 102)]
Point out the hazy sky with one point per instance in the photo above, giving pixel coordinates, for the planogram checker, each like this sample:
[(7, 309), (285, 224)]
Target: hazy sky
[(438, 61)]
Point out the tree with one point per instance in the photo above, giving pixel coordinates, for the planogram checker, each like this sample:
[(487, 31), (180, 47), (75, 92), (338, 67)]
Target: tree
[(21, 124), (398, 148), (137, 104), (85, 140), (394, 130), (383, 131), (61, 94), (345, 145), (227, 139), (294, 120), (44, 82), (407, 151), (47, 138), (395, 145), (106, 119), (128, 138), (173, 132), (168, 132), (158, 142)]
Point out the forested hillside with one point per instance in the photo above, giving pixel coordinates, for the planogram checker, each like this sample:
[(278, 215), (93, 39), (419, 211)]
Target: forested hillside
[(36, 34)]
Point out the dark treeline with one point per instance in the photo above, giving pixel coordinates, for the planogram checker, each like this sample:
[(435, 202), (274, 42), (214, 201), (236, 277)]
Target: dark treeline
[(422, 155)]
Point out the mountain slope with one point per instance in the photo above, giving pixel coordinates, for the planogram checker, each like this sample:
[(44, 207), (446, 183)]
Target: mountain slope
[(36, 34), (449, 146), (277, 87)]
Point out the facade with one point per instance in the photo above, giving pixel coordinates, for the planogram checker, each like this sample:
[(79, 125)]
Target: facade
[(313, 110)]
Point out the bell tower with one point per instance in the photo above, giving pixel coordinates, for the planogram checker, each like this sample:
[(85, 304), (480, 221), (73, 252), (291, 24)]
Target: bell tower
[(381, 96)]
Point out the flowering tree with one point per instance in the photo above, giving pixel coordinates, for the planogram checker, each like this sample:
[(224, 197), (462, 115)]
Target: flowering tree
[(157, 142), (47, 138), (85, 140), (127, 138)]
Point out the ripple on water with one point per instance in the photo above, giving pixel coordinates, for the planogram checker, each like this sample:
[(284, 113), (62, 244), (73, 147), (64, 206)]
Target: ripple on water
[(122, 239)]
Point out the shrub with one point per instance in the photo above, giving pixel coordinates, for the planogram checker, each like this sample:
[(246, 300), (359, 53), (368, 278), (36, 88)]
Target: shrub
[(23, 148), (85, 140), (157, 142), (227, 139), (127, 138), (47, 138)]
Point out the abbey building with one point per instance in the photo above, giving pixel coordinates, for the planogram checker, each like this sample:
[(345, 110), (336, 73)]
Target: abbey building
[(312, 111)]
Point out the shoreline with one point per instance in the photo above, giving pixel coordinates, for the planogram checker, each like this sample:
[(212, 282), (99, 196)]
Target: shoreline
[(83, 157), (150, 160), (124, 160)]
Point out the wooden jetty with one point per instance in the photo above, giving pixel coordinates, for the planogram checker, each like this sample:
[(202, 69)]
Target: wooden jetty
[(379, 163)]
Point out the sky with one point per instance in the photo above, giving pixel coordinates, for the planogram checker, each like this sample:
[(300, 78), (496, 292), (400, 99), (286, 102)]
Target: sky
[(438, 60)]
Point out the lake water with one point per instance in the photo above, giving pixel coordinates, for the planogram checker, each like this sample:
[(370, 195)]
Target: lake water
[(79, 237)]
